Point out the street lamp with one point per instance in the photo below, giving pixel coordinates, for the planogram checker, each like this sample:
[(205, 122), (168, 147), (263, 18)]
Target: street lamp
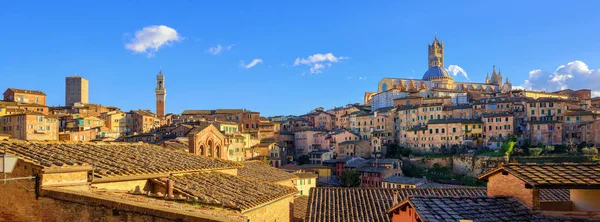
[(8, 163)]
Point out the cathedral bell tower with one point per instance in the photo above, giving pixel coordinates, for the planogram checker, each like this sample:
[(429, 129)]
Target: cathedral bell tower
[(436, 54), (161, 94)]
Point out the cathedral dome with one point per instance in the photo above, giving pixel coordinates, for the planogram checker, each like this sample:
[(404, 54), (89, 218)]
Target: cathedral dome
[(436, 72)]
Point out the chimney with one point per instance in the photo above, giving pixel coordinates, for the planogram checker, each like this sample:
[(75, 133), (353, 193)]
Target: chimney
[(170, 188), (396, 197)]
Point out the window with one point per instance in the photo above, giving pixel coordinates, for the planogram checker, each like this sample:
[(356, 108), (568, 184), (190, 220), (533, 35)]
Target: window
[(454, 130), (532, 112), (436, 131), (443, 130)]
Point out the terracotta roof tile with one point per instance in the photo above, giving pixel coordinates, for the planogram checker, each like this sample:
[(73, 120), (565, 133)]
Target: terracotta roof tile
[(367, 204), (230, 191), (555, 195), (553, 175), (434, 208), (114, 159), (260, 171), (300, 207)]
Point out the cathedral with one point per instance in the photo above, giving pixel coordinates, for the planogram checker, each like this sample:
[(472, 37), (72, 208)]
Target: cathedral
[(436, 82)]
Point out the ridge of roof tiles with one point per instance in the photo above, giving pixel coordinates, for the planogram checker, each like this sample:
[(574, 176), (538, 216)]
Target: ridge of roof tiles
[(225, 190), (368, 204), (113, 159), (552, 175)]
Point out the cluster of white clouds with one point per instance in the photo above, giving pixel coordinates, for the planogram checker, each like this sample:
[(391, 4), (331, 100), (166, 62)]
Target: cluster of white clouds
[(318, 62), (149, 39), (251, 64), (218, 49), (573, 75), (455, 70), (358, 78)]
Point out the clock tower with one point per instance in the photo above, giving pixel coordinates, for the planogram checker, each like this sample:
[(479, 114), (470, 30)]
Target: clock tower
[(161, 94)]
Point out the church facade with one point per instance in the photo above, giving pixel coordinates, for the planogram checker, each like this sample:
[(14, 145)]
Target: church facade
[(436, 82)]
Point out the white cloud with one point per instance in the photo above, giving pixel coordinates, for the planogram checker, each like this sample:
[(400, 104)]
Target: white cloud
[(251, 64), (317, 62), (455, 70), (574, 75), (316, 68), (151, 38), (218, 49)]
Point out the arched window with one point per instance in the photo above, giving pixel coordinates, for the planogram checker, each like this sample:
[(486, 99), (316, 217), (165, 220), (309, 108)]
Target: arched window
[(384, 87), (218, 152), (210, 148), (201, 150)]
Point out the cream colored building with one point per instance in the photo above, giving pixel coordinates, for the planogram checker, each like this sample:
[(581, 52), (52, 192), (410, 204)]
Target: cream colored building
[(304, 182)]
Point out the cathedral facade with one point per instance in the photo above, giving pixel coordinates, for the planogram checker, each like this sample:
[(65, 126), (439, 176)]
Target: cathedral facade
[(436, 82)]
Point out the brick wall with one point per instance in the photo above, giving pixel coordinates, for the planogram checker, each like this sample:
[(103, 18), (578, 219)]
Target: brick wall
[(509, 185)]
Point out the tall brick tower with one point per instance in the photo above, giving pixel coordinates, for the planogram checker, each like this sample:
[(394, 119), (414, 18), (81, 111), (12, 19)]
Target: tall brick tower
[(161, 94)]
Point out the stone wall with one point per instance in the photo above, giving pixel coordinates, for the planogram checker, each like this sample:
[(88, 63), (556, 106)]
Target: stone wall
[(428, 162), (280, 210), (461, 164), (18, 204), (474, 165)]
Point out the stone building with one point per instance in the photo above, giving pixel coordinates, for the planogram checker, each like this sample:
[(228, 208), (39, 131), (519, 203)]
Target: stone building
[(498, 126), (76, 90), (354, 148), (30, 126), (25, 96), (133, 182), (436, 82), (207, 140)]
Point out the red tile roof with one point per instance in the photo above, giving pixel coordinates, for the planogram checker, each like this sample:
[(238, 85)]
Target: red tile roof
[(113, 159), (552, 175), (367, 204), (230, 191), (435, 208)]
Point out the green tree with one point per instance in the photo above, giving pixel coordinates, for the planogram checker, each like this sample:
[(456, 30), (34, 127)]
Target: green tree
[(535, 151), (549, 149), (350, 178), (304, 159), (265, 160)]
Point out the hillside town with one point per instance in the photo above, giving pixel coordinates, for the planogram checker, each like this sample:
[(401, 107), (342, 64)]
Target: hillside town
[(427, 149)]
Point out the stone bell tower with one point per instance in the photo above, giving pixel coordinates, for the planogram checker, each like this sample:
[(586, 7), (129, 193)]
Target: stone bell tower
[(436, 54)]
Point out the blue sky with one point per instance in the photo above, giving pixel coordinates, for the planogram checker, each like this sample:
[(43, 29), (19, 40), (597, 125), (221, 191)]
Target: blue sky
[(551, 44)]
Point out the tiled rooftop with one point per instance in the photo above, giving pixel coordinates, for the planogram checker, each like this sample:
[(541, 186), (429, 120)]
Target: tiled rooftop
[(113, 159), (306, 175), (230, 191), (143, 203), (260, 171), (555, 195), (434, 208), (300, 204), (367, 204), (404, 180), (549, 175)]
